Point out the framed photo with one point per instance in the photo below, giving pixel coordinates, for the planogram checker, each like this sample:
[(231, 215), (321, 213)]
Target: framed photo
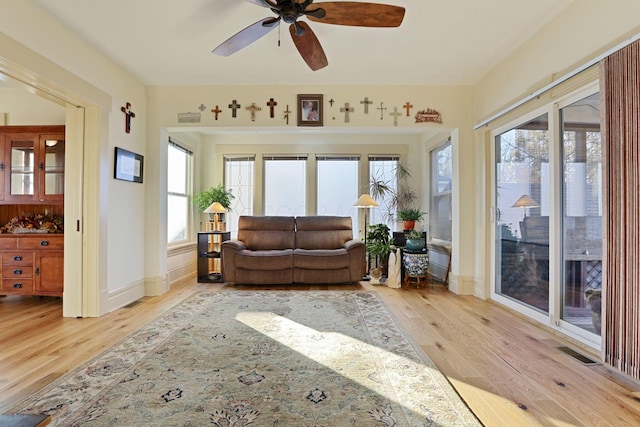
[(310, 111), (128, 165)]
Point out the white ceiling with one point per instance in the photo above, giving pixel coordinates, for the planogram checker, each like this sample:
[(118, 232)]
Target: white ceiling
[(169, 42)]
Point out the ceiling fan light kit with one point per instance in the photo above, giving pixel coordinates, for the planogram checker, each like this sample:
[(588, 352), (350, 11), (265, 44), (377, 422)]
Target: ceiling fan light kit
[(349, 13)]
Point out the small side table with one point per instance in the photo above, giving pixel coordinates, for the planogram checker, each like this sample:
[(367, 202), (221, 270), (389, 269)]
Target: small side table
[(419, 281), (209, 259), (415, 266)]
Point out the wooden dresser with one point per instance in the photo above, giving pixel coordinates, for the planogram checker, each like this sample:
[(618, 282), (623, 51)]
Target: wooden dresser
[(32, 264)]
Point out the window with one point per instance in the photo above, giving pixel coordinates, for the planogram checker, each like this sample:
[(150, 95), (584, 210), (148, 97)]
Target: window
[(440, 210), (179, 185), (239, 178), (338, 186), (284, 185), (383, 172)]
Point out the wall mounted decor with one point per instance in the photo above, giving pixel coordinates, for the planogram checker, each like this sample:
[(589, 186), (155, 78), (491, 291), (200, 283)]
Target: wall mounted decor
[(253, 108), (128, 116), (428, 115), (216, 111), (234, 108), (188, 117), (128, 165), (346, 110), (310, 111), (408, 106), (271, 104), (366, 102)]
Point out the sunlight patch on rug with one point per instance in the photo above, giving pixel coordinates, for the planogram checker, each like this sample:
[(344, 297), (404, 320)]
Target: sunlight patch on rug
[(259, 358), (312, 344)]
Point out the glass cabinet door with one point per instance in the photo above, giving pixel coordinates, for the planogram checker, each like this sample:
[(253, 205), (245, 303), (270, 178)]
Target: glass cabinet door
[(52, 181), (22, 177)]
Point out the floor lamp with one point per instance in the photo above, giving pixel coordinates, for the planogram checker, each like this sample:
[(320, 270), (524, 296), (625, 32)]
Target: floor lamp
[(365, 202), (525, 201)]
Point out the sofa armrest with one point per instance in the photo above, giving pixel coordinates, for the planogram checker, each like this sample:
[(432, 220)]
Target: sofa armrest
[(228, 251), (352, 244), (356, 250)]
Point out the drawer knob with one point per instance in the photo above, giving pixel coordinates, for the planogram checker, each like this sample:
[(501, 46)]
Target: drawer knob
[(17, 258), (17, 285), (17, 271), (44, 243)]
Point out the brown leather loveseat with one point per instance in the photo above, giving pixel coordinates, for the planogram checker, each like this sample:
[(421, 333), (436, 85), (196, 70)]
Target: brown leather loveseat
[(283, 250)]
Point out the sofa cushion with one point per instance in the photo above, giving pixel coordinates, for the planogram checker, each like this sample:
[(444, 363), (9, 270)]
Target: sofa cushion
[(264, 260), (267, 232), (321, 259), (323, 232)]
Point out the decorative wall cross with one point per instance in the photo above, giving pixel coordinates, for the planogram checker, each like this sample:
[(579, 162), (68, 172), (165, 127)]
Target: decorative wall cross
[(234, 107), (216, 111), (395, 115), (382, 109), (128, 116), (366, 103), (331, 101), (271, 104), (253, 108), (346, 110), (408, 106), (286, 114), (202, 107)]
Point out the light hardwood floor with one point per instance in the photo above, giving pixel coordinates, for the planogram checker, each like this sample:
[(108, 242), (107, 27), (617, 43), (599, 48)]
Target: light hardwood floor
[(508, 370)]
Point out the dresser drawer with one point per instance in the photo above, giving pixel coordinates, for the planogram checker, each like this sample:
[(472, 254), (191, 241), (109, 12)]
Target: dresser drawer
[(16, 286), (17, 271), (13, 259), (8, 243), (42, 242)]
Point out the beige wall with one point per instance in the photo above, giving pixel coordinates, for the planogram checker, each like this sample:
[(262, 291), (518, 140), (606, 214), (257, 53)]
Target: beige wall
[(364, 134)]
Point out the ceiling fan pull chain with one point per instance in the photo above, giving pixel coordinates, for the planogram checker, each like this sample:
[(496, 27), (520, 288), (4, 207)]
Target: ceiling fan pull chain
[(279, 26)]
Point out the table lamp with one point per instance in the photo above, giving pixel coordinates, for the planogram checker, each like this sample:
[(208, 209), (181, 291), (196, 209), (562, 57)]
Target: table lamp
[(215, 208)]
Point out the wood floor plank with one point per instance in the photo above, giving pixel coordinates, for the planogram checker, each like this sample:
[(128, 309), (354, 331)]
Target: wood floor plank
[(508, 369)]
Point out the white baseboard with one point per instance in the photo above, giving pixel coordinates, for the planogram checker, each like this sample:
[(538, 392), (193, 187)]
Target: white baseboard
[(155, 286), (125, 295), (461, 285)]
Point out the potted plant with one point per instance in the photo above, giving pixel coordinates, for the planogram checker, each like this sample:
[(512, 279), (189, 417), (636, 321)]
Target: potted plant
[(409, 216), (379, 244), (415, 241), (214, 194)]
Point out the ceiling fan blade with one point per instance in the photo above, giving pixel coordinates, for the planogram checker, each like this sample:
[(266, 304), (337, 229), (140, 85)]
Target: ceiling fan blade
[(263, 3), (359, 14), (245, 37), (309, 46)]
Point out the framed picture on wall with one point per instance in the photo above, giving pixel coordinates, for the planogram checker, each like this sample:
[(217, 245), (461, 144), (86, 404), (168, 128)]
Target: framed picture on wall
[(310, 110), (128, 165)]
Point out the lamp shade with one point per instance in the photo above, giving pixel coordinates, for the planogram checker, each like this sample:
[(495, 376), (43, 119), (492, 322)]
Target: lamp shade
[(215, 207), (365, 201), (525, 201)]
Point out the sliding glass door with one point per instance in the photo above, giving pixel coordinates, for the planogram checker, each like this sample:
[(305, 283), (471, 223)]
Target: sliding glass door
[(582, 213), (522, 213), (548, 216)]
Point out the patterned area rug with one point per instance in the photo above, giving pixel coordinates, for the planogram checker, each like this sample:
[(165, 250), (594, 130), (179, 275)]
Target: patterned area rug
[(260, 358)]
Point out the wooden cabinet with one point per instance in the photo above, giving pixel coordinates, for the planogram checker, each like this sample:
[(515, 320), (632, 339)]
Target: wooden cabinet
[(32, 164), (32, 264)]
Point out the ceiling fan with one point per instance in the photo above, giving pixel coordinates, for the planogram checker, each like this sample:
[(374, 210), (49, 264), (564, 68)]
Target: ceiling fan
[(350, 13)]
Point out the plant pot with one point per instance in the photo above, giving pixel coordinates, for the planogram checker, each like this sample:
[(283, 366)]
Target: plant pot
[(415, 264), (408, 225), (415, 245)]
